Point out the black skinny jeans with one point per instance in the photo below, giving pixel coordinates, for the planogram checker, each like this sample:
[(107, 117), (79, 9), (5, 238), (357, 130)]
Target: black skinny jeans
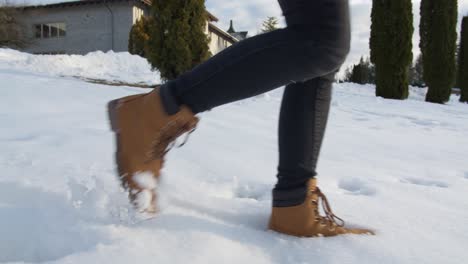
[(304, 57)]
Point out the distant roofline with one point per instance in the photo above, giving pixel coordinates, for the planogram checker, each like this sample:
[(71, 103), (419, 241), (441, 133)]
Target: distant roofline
[(80, 2), (87, 2)]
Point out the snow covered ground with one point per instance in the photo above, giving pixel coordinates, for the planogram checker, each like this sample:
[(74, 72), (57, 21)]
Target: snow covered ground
[(399, 167)]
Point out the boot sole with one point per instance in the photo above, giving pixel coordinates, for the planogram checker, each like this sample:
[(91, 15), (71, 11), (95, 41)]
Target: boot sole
[(112, 118), (112, 114)]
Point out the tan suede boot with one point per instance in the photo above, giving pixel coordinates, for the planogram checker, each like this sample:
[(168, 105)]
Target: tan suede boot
[(143, 132), (304, 220)]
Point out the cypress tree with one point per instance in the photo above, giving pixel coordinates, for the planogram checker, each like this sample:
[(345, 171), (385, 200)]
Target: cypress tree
[(391, 46), (438, 44), (463, 61), (177, 40)]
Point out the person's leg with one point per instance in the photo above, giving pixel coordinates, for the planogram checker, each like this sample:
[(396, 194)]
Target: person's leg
[(303, 119), (315, 43)]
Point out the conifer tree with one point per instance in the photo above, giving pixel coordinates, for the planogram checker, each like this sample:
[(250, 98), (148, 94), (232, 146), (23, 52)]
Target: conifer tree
[(361, 73), (391, 46), (198, 40), (270, 24), (438, 44), (177, 40), (463, 61), (417, 73), (139, 37), (457, 60), (12, 32)]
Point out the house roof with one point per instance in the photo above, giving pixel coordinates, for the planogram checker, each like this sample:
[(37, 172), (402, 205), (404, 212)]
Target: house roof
[(62, 3), (240, 35), (223, 33)]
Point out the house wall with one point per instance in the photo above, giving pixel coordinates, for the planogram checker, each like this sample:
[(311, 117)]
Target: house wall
[(88, 27), (217, 42)]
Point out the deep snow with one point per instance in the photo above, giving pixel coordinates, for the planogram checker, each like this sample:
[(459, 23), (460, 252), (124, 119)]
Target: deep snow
[(396, 166)]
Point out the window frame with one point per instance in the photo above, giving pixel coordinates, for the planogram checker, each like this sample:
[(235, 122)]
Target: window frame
[(60, 29)]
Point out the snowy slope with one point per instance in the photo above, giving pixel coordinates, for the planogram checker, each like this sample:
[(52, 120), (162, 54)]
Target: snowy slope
[(396, 166)]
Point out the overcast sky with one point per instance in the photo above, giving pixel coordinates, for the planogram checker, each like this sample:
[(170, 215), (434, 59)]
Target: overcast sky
[(249, 14)]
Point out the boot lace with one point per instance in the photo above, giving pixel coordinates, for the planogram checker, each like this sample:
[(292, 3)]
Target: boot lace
[(165, 140), (330, 218)]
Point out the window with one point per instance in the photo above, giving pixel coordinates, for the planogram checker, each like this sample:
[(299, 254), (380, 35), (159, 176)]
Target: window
[(137, 14), (45, 31), (51, 30), (38, 30), (62, 29)]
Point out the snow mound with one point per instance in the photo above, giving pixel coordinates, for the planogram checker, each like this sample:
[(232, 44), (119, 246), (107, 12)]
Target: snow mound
[(110, 66)]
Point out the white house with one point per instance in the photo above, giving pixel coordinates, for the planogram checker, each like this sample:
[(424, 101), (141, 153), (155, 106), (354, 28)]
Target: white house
[(82, 26)]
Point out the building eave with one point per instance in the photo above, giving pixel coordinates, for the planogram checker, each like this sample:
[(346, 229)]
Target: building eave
[(212, 17), (226, 35)]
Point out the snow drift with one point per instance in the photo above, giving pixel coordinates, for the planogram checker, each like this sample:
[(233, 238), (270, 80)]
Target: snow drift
[(396, 166), (109, 66)]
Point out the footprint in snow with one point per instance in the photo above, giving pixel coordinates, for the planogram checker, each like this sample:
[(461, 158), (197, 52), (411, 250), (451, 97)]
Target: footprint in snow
[(427, 123), (257, 192), (23, 138), (363, 119), (465, 175), (356, 186), (425, 182)]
